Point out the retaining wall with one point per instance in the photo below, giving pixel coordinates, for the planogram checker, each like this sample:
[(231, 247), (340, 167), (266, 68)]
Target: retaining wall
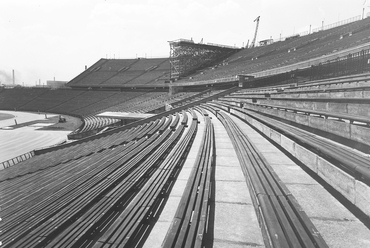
[(355, 191)]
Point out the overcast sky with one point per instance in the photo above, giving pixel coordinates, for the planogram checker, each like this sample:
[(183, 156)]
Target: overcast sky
[(43, 39)]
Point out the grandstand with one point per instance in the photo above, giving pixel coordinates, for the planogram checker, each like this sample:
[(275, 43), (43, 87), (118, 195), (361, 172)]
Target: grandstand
[(127, 72), (259, 61), (260, 147)]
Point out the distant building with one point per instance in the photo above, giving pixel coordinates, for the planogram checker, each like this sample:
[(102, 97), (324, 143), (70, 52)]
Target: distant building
[(56, 84), (266, 42)]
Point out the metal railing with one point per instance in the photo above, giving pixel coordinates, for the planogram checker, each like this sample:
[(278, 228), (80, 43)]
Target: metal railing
[(337, 24), (322, 28), (16, 160)]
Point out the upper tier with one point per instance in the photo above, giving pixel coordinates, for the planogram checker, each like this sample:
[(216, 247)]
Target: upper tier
[(124, 72), (252, 61)]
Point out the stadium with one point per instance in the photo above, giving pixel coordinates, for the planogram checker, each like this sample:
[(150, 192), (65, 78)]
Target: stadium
[(266, 145)]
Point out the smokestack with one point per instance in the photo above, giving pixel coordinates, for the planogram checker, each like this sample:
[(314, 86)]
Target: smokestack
[(13, 78)]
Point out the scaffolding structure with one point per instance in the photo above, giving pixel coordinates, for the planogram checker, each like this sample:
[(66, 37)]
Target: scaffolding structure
[(186, 57)]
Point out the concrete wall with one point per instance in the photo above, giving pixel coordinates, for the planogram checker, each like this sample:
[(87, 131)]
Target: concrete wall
[(343, 129), (355, 191)]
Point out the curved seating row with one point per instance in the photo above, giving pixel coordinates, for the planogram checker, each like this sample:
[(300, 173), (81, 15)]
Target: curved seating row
[(78, 181), (189, 226), (282, 53), (279, 213), (110, 72)]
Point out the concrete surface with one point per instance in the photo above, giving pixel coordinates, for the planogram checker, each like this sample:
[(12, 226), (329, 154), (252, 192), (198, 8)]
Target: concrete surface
[(337, 225), (236, 223), (159, 231), (15, 142)]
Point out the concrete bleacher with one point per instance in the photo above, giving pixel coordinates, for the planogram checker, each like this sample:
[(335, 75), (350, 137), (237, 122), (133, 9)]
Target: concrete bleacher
[(255, 167), (18, 97), (110, 190), (336, 111), (75, 157), (282, 53), (51, 99), (101, 71), (337, 107), (86, 104), (117, 72)]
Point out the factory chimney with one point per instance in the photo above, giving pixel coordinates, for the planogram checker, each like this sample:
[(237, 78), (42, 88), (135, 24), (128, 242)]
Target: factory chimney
[(13, 78)]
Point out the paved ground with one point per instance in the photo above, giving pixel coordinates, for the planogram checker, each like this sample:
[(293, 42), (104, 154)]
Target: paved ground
[(4, 116), (22, 132), (236, 223)]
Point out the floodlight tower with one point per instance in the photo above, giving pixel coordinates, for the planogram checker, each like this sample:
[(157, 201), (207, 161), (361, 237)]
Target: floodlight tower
[(257, 20)]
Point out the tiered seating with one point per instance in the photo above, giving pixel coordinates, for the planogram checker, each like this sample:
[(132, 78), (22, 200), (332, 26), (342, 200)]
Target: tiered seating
[(147, 102), (286, 224), (51, 99), (11, 99), (83, 187), (148, 77), (156, 72), (136, 102), (82, 101), (287, 52), (124, 71), (108, 190), (340, 107), (76, 102), (102, 71), (323, 124), (140, 102), (92, 122), (194, 203), (85, 103)]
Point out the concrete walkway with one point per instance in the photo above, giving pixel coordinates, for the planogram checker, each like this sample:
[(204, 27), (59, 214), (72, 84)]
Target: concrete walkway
[(236, 223), (338, 226), (159, 231)]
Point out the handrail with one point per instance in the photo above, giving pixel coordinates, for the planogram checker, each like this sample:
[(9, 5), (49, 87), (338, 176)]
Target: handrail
[(16, 160), (322, 28)]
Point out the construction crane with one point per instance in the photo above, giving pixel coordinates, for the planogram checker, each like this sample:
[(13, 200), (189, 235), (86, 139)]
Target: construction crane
[(255, 33)]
